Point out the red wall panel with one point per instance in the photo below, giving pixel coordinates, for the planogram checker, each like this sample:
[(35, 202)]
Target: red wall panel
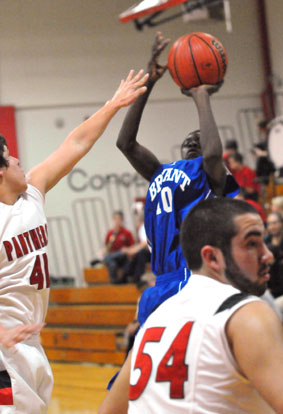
[(8, 128)]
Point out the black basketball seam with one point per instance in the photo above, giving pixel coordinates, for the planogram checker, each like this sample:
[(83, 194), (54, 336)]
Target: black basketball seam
[(193, 59), (218, 66), (175, 67)]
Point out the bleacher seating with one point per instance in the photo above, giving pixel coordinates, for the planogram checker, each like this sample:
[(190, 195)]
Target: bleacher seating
[(87, 324)]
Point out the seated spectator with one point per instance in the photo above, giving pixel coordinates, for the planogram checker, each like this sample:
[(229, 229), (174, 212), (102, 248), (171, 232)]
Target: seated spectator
[(264, 166), (138, 254), (245, 176), (231, 147), (112, 254), (274, 241), (252, 199), (277, 205)]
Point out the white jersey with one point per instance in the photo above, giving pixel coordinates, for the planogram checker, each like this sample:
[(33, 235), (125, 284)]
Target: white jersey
[(182, 362), (24, 276)]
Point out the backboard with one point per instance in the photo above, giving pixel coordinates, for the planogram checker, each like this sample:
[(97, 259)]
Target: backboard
[(147, 12), (146, 7)]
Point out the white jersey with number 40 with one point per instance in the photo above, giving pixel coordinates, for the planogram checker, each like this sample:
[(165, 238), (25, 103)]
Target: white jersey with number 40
[(24, 276)]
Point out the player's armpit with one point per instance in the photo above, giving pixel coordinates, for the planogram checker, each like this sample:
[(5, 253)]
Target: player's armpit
[(255, 336)]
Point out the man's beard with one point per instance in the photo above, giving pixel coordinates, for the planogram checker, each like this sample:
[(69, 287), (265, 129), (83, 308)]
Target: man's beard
[(238, 279)]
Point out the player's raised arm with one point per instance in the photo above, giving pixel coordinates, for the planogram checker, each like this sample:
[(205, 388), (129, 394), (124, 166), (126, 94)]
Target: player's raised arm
[(143, 160), (45, 175), (209, 136)]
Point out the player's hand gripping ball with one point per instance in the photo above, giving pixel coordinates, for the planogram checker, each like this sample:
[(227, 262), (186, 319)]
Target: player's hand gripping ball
[(196, 59)]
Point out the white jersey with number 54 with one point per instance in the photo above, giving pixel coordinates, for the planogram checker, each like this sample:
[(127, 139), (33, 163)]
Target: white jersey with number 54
[(181, 361)]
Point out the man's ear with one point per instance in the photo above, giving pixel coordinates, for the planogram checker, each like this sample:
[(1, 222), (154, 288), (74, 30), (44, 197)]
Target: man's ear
[(212, 257)]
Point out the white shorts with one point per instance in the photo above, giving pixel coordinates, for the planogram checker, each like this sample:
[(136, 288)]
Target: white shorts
[(26, 379)]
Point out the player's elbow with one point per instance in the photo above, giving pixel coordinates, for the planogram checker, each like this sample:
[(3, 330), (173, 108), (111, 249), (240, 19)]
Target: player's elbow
[(124, 145)]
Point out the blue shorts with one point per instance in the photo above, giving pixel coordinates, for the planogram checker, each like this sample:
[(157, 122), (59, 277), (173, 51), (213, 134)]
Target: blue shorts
[(166, 286)]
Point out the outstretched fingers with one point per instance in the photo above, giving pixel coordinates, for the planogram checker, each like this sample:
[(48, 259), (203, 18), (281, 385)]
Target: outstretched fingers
[(130, 89), (137, 81), (159, 44), (130, 75)]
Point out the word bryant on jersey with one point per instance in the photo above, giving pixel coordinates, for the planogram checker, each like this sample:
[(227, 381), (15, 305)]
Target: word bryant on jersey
[(168, 174)]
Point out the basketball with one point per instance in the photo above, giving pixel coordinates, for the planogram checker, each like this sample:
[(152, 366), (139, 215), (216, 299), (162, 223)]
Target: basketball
[(196, 59)]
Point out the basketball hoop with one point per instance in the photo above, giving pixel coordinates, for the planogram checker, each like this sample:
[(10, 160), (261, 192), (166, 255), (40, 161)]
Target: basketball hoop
[(148, 12)]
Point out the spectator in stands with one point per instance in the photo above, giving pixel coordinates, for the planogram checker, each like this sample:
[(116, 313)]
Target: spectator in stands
[(264, 166), (138, 254), (274, 241), (231, 147), (277, 205), (244, 195), (245, 176), (112, 254)]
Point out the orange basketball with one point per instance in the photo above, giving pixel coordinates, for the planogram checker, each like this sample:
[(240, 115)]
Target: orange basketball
[(196, 59)]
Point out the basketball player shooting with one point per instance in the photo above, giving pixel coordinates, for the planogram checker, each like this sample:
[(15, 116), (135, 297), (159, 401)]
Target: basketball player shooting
[(175, 187), (200, 174), (25, 375)]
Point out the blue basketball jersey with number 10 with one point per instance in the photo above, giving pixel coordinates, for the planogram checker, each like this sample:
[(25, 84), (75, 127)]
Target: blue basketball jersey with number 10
[(174, 189)]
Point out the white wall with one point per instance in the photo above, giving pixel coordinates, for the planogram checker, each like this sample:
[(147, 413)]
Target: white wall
[(76, 51), (274, 13), (60, 60)]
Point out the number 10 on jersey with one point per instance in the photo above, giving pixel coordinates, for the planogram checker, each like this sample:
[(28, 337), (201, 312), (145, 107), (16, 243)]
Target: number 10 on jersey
[(166, 201)]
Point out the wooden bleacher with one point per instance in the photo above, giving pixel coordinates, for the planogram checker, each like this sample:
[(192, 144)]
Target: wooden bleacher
[(273, 189), (86, 324)]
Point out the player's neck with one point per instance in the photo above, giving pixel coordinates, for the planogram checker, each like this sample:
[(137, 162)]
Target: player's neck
[(8, 197)]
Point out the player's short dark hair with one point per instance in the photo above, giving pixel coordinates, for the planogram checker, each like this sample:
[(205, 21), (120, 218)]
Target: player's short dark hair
[(3, 161), (231, 144), (211, 222), (237, 157)]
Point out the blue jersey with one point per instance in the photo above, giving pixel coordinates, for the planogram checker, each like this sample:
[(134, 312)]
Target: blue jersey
[(174, 189)]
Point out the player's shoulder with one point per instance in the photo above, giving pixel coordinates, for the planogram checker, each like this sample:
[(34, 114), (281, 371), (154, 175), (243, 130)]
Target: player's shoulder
[(33, 193), (252, 317)]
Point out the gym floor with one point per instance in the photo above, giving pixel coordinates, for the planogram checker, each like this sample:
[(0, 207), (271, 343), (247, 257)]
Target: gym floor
[(79, 388)]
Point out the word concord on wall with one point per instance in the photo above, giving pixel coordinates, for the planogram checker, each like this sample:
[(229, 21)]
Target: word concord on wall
[(79, 180)]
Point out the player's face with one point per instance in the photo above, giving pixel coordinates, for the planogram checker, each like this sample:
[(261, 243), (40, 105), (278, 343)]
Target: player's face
[(13, 175), (191, 147), (249, 260)]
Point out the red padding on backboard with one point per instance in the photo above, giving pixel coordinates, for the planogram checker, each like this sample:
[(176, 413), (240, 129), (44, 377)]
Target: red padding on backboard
[(147, 8), (8, 128)]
